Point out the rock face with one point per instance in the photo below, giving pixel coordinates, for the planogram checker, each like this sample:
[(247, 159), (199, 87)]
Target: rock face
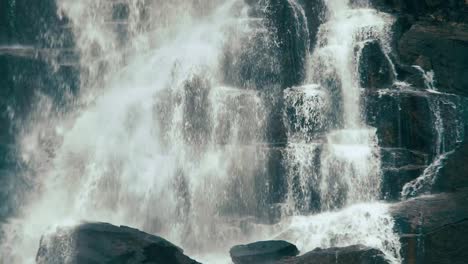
[(433, 228), (433, 35), (441, 47), (357, 254), (262, 252), (105, 243)]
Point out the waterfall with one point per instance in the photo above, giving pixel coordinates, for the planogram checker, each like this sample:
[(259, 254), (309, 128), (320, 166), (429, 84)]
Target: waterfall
[(155, 139), (327, 113), (160, 139), (332, 157)]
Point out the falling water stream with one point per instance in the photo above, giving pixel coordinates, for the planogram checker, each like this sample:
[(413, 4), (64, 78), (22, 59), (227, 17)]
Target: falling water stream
[(158, 141)]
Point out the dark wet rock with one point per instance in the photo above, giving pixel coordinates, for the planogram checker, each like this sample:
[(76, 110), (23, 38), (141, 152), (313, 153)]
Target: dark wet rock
[(276, 50), (454, 174), (262, 252), (412, 119), (453, 10), (400, 166), (430, 34), (374, 67), (441, 47), (357, 254), (433, 229), (401, 120), (419, 126), (293, 39), (315, 12), (105, 243)]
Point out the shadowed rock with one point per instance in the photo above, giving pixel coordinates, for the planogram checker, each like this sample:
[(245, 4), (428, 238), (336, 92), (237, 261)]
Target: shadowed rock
[(106, 243), (374, 67), (434, 229), (262, 252)]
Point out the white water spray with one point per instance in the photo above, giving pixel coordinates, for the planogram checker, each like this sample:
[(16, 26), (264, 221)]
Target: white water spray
[(334, 158), (156, 141)]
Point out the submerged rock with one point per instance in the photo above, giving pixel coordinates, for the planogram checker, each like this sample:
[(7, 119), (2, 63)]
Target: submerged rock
[(106, 243), (357, 254), (262, 252)]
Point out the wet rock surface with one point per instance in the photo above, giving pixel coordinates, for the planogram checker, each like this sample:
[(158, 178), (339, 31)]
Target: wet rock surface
[(374, 67), (432, 35), (345, 255), (433, 228), (262, 252), (106, 243), (282, 252)]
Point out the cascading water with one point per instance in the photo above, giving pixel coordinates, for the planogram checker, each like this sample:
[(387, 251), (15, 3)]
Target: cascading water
[(332, 157), (330, 110), (158, 141)]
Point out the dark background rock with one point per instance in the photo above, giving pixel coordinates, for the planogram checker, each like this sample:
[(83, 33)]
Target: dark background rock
[(262, 252), (441, 47), (105, 243), (399, 166)]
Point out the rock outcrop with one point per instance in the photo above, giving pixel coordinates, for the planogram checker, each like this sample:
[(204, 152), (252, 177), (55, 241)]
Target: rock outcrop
[(106, 243), (433, 228), (357, 254), (282, 252)]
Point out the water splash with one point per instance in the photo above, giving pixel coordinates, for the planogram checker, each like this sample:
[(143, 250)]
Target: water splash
[(368, 224)]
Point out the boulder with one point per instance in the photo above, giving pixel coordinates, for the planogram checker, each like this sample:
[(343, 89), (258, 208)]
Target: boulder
[(357, 254), (262, 252), (106, 243), (433, 229)]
